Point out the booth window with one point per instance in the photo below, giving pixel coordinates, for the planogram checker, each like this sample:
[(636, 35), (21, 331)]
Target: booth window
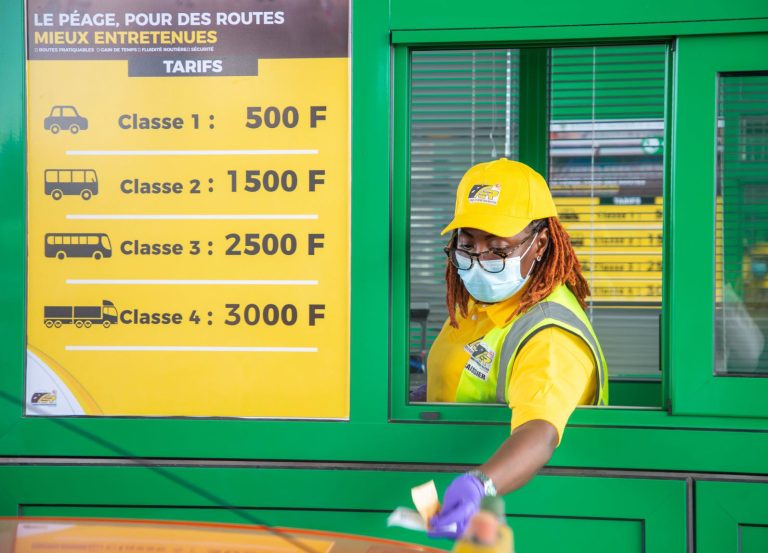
[(464, 110), (592, 120), (741, 295)]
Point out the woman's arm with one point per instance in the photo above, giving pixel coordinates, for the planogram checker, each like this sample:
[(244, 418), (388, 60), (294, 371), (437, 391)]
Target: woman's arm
[(528, 448), (550, 376), (519, 458)]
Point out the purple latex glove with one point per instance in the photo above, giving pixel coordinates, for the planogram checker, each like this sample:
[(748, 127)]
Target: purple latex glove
[(461, 501)]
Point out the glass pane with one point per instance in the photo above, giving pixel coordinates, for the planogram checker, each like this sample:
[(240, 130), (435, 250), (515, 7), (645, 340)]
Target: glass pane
[(464, 110), (741, 296), (606, 168), (606, 174)]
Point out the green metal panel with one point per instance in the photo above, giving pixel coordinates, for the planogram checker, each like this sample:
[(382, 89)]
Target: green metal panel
[(534, 98), (639, 393), (12, 212), (695, 389), (639, 439), (731, 517), (399, 229), (651, 512), (437, 14), (666, 258), (753, 539), (370, 219), (546, 35)]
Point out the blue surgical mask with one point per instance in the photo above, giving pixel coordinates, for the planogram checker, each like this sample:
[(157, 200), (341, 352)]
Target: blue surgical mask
[(759, 268), (494, 287)]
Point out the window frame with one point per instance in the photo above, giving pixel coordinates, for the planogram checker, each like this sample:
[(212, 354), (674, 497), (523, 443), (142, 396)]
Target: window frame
[(695, 387), (537, 156)]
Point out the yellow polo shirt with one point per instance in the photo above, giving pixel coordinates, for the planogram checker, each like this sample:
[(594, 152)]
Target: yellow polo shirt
[(551, 374)]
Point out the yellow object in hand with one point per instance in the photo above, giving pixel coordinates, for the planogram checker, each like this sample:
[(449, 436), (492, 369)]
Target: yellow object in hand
[(426, 500), (487, 531)]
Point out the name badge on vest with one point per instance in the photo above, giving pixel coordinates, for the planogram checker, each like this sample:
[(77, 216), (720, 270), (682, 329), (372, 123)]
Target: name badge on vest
[(480, 359)]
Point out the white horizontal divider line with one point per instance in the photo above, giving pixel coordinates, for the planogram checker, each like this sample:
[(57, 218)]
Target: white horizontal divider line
[(195, 282), (254, 349), (189, 152), (193, 217)]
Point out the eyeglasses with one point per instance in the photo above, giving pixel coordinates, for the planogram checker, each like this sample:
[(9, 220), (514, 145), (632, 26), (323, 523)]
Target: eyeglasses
[(492, 260)]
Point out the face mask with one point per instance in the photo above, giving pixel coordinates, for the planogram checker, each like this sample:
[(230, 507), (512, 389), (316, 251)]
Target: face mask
[(759, 269), (494, 287)]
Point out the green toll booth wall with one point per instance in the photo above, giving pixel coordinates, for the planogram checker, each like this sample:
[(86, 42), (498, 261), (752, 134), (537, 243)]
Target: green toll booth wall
[(690, 475)]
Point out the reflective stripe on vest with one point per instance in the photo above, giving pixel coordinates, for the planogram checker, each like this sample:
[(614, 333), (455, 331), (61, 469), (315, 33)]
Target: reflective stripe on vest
[(519, 333)]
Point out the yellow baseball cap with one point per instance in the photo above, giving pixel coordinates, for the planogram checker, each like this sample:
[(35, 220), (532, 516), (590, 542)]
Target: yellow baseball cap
[(501, 197)]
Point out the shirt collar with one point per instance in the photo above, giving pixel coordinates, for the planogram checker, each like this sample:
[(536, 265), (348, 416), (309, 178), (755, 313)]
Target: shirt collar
[(501, 312)]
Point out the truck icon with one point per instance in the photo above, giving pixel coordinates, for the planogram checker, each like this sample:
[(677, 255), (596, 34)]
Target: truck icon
[(71, 182), (66, 118), (80, 315)]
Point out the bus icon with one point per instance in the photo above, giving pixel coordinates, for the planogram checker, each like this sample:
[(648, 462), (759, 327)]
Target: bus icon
[(66, 118), (71, 182), (62, 245)]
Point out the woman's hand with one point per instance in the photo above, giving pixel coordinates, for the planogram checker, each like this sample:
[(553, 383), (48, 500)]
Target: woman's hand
[(460, 502), (519, 458)]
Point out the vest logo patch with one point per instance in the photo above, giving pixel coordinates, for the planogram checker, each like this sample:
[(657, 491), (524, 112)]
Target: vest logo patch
[(484, 194), (480, 359)]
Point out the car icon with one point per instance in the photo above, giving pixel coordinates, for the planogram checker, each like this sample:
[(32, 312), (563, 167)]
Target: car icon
[(65, 118)]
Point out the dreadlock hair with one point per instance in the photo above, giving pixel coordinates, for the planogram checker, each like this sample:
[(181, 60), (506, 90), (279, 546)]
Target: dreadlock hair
[(558, 265)]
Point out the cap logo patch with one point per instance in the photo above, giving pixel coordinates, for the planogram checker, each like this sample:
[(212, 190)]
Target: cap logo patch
[(484, 194)]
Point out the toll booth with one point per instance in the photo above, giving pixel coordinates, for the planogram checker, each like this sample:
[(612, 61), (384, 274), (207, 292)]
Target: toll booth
[(223, 269)]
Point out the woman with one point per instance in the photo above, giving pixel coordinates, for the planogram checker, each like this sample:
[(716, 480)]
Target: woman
[(516, 331)]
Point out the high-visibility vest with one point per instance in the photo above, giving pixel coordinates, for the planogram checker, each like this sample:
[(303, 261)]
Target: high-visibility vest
[(485, 378)]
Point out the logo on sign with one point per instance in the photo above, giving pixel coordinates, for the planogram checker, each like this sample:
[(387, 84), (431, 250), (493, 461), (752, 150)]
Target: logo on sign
[(43, 398), (484, 194)]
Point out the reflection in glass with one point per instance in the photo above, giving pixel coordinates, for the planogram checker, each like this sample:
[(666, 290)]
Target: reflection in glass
[(606, 159), (741, 299)]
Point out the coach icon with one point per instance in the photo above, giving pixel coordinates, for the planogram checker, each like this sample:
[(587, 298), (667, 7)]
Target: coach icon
[(61, 245)]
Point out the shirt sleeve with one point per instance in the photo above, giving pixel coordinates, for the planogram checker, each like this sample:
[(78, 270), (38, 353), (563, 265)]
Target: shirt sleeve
[(552, 374)]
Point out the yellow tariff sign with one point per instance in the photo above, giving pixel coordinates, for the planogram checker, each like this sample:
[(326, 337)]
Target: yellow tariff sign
[(647, 266), (625, 290), (618, 241), (188, 223), (571, 213)]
